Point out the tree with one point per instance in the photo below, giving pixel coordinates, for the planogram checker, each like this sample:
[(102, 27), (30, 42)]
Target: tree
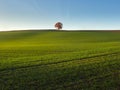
[(58, 25)]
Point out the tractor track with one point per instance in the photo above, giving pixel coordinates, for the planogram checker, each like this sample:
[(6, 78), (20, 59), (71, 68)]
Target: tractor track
[(59, 62)]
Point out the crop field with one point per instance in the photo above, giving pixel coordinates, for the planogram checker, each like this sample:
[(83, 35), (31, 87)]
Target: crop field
[(60, 60)]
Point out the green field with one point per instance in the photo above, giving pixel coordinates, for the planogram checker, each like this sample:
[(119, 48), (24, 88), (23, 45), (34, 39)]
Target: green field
[(60, 60)]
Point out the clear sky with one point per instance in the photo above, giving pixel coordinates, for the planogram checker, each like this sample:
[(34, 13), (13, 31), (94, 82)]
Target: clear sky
[(74, 14)]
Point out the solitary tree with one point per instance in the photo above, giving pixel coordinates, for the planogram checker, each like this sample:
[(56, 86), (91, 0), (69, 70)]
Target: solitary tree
[(58, 25)]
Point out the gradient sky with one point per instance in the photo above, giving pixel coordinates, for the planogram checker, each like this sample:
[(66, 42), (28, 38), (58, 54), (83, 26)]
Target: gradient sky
[(74, 14)]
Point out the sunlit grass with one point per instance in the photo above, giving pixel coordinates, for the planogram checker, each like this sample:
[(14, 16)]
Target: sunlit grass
[(51, 60)]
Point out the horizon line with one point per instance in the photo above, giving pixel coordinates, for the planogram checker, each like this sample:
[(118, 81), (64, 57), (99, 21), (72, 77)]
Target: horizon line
[(61, 30)]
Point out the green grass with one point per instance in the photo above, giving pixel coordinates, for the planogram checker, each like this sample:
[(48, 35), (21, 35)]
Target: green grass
[(60, 60)]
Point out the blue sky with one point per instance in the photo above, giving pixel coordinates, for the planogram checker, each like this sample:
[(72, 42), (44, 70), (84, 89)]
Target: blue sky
[(74, 14)]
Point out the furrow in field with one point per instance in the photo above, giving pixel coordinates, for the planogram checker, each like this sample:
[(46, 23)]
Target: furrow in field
[(60, 62), (74, 70)]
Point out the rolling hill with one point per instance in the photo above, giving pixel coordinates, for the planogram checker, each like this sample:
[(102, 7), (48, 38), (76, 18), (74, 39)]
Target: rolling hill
[(59, 60)]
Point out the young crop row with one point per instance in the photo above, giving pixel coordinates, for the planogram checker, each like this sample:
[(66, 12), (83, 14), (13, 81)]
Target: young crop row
[(77, 74)]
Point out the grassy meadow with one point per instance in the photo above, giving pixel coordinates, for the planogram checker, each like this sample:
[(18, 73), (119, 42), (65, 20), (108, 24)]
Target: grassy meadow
[(60, 60)]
